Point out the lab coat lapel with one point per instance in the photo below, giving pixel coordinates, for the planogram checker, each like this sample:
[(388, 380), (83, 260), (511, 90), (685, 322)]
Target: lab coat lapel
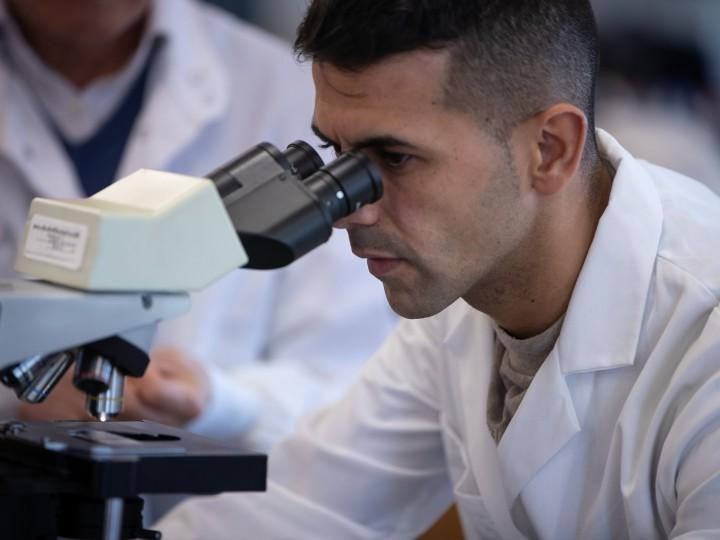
[(544, 423), (473, 376)]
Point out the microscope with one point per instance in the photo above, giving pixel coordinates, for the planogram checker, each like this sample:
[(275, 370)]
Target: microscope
[(104, 271)]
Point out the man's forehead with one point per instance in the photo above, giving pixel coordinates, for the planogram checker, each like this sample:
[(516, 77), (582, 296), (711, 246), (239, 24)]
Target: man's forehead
[(417, 76)]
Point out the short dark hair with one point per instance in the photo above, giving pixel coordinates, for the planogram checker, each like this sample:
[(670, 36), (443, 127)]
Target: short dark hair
[(509, 59)]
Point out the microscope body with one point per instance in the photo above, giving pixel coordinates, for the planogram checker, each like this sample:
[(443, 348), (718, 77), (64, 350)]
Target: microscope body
[(38, 344), (105, 270)]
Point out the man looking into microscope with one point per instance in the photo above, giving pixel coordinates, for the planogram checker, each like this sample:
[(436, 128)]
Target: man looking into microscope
[(559, 378)]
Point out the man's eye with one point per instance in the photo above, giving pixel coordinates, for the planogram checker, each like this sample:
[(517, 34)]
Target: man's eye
[(394, 160)]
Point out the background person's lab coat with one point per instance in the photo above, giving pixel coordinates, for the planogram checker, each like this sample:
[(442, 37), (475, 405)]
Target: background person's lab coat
[(277, 343), (617, 437)]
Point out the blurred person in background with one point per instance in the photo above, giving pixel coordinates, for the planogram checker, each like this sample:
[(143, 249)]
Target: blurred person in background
[(94, 90)]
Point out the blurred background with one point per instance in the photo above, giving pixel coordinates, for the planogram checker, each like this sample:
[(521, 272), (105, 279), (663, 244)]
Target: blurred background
[(659, 89)]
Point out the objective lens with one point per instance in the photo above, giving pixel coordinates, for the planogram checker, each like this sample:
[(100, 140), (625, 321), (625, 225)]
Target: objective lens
[(34, 378), (108, 404), (93, 373)]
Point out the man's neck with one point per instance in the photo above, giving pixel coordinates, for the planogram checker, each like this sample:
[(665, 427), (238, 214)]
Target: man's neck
[(537, 284), (81, 62)]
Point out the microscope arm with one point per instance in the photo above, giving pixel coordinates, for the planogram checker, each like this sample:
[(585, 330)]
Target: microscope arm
[(34, 318), (109, 339)]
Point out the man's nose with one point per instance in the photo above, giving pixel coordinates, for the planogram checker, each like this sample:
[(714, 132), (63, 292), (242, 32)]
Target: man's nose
[(366, 215)]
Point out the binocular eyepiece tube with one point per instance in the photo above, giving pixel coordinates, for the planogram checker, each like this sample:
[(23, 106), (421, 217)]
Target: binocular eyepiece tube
[(343, 185), (283, 204)]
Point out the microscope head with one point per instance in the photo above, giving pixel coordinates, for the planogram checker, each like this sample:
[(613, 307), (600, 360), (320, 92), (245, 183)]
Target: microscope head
[(115, 264), (150, 231)]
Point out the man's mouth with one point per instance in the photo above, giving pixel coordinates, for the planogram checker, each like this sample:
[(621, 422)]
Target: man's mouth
[(382, 266), (381, 260)]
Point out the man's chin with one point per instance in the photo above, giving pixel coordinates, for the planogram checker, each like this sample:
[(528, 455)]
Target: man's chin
[(411, 305)]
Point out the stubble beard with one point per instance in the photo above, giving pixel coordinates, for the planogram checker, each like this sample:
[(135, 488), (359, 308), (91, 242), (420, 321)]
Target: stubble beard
[(423, 298), (500, 277)]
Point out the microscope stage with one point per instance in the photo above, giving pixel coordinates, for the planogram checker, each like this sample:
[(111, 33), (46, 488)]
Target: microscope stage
[(120, 459)]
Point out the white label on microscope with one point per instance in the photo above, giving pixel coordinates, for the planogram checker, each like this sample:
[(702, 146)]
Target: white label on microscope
[(56, 241)]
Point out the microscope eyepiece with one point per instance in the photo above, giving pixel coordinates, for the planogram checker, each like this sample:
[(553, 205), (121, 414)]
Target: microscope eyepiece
[(346, 184), (303, 158)]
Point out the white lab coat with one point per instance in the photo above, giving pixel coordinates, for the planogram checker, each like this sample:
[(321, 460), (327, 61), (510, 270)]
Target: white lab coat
[(277, 343), (617, 437)]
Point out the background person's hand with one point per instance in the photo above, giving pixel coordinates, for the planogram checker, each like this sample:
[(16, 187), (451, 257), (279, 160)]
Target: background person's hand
[(173, 391)]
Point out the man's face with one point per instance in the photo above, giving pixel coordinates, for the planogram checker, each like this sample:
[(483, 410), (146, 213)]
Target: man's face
[(90, 21), (454, 213)]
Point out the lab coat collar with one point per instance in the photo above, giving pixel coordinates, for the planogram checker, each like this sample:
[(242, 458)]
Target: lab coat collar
[(605, 315)]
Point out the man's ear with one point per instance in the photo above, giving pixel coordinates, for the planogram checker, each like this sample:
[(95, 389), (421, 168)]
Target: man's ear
[(558, 136)]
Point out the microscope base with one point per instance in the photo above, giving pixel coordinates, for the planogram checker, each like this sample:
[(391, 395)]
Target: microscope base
[(73, 479)]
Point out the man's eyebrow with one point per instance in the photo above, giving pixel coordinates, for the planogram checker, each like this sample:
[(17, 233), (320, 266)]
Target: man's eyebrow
[(381, 141), (378, 141)]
